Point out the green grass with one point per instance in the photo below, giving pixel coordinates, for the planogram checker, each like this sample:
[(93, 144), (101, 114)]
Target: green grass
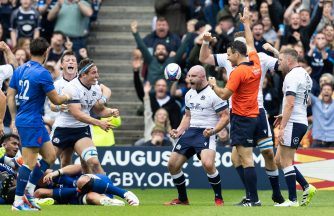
[(201, 204)]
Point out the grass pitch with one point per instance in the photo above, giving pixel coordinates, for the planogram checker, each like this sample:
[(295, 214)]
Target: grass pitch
[(201, 203)]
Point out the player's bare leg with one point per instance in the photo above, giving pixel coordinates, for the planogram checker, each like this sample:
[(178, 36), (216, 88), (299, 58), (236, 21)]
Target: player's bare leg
[(208, 162), (175, 163)]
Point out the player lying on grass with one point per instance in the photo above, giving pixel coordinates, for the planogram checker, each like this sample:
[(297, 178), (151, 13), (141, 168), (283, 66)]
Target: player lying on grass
[(95, 189)]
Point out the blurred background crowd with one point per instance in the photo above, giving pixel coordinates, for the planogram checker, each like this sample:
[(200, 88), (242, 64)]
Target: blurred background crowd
[(176, 36)]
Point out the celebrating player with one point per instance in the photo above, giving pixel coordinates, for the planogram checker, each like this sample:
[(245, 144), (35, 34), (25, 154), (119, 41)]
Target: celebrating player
[(293, 125), (72, 128), (32, 83), (206, 114)]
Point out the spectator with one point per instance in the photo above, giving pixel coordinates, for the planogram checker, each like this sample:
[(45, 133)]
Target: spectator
[(320, 57), (327, 18), (264, 9), (24, 43), (225, 30), (232, 9), (158, 138), (159, 118), (44, 7), (57, 46), (254, 16), (6, 9), (72, 17), (329, 35), (323, 118), (326, 78), (211, 10), (24, 22), (259, 41), (162, 35), (296, 33), (160, 59), (21, 56), (159, 98), (269, 34), (175, 12)]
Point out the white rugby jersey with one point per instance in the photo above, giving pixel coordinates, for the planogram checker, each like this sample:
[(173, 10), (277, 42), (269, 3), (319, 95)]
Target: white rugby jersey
[(6, 71), (267, 63), (203, 107), (80, 94), (298, 83)]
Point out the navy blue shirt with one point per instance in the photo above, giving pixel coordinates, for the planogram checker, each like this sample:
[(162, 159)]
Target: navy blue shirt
[(32, 82)]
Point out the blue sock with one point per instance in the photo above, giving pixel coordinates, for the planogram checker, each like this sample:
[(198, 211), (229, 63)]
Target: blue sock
[(179, 181), (241, 173), (274, 181), (214, 181), (300, 179), (22, 180), (38, 172), (36, 175), (62, 195), (251, 182), (104, 187), (2, 201), (290, 178)]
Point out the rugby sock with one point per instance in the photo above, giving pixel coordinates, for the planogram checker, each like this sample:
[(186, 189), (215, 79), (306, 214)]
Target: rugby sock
[(103, 187), (300, 179), (274, 181), (64, 193), (22, 180), (241, 173), (179, 181), (214, 181), (251, 182), (36, 175), (290, 178)]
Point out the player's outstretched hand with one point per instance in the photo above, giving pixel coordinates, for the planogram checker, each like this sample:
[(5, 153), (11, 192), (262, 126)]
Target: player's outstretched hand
[(174, 133), (278, 120), (208, 132)]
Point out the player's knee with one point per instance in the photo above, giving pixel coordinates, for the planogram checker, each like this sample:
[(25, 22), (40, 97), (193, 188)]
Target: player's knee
[(268, 155), (172, 168), (82, 181), (94, 165), (208, 165)]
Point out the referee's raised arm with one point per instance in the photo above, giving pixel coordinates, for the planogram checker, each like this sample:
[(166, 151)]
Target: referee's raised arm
[(245, 19)]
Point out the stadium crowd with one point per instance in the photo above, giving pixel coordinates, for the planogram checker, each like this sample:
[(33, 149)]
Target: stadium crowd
[(179, 35)]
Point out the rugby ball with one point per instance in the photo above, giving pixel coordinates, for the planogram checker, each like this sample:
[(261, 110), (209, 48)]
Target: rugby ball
[(172, 72)]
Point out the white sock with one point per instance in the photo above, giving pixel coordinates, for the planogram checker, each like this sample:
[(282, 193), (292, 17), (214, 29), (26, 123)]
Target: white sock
[(30, 188), (18, 198)]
